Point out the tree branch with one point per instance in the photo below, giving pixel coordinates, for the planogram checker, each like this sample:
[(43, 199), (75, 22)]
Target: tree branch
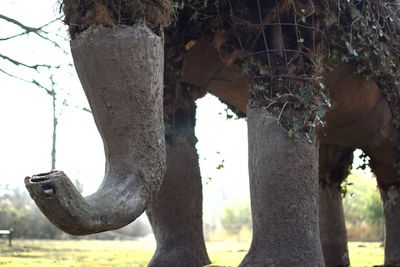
[(33, 81), (27, 29), (18, 63), (19, 24)]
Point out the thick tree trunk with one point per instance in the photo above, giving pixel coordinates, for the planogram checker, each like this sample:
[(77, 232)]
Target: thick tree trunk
[(121, 71), (176, 214), (284, 196), (332, 226), (391, 209), (334, 166)]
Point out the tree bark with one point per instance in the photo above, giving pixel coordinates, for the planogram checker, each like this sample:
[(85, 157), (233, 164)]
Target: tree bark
[(334, 166), (332, 226), (284, 196), (121, 71), (391, 208), (176, 214)]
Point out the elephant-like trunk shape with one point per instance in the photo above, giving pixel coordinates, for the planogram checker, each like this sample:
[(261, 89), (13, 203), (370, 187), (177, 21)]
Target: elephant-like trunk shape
[(121, 71)]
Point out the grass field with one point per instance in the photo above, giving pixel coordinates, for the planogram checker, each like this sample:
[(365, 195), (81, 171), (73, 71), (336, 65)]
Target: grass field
[(93, 253)]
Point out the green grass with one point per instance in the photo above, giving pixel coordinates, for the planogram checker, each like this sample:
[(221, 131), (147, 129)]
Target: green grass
[(366, 254), (94, 253)]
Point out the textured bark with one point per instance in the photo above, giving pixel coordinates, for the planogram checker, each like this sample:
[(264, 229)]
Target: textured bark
[(332, 226), (121, 71), (334, 166), (176, 214), (391, 209), (284, 196)]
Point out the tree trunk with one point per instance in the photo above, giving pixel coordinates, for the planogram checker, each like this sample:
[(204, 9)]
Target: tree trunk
[(284, 196), (176, 214), (121, 71), (334, 166), (332, 226), (391, 209)]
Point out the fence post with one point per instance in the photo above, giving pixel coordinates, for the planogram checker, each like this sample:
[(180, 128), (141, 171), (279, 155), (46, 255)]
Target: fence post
[(10, 237)]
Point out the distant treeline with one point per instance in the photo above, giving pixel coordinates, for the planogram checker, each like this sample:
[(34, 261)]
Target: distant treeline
[(19, 212), (362, 207)]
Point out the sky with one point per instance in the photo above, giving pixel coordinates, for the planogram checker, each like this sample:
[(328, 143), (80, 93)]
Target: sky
[(26, 119)]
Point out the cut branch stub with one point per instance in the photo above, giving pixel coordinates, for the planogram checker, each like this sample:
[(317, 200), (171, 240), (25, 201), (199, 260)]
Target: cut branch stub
[(121, 71)]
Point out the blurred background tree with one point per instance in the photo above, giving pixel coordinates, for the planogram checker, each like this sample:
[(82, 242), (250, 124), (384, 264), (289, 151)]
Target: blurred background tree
[(362, 206), (235, 216), (363, 209), (18, 211)]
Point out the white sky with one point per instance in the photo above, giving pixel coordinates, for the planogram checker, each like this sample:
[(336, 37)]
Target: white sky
[(26, 120)]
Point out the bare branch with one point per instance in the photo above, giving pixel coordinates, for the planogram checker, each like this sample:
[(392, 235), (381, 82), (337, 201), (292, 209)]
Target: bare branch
[(19, 24), (33, 81), (66, 104), (79, 107), (18, 63), (27, 29), (13, 36), (40, 34), (48, 91)]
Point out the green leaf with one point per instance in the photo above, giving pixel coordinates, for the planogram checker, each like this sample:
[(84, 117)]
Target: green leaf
[(221, 165), (257, 87), (290, 133), (246, 68), (355, 13), (321, 113), (352, 51), (265, 71), (309, 138)]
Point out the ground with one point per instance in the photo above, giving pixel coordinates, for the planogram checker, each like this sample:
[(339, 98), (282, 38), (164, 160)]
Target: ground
[(94, 253)]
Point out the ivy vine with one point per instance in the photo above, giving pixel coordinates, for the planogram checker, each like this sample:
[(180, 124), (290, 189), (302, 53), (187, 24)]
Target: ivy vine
[(368, 36)]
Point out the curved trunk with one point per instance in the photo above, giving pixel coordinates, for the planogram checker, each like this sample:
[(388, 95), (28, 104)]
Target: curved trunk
[(284, 196), (121, 71), (391, 210), (332, 226)]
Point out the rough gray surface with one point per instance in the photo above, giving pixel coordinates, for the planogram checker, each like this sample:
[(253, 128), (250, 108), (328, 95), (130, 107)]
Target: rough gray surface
[(332, 226), (284, 196), (334, 164), (391, 209), (176, 213), (121, 71)]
